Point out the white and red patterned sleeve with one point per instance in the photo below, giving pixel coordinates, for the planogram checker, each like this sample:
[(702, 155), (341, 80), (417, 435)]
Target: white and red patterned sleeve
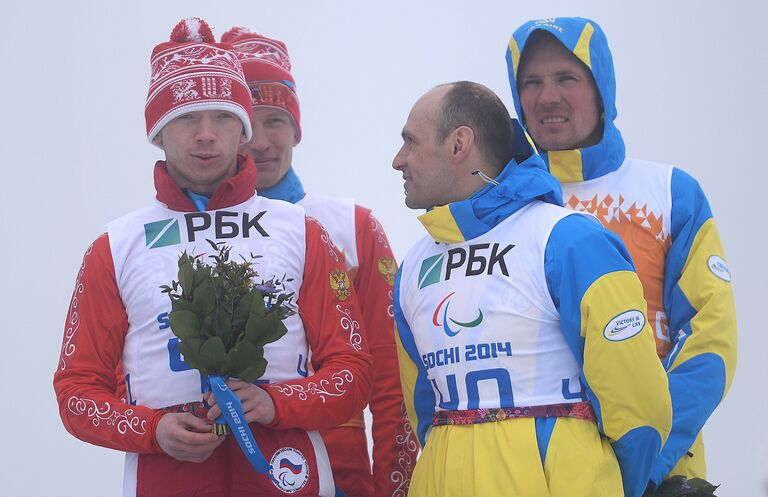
[(85, 381), (329, 310), (394, 444)]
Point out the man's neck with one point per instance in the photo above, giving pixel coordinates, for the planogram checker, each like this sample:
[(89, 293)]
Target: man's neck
[(233, 191)]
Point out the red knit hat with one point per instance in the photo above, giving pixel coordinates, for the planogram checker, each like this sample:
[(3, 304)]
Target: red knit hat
[(267, 69), (192, 72)]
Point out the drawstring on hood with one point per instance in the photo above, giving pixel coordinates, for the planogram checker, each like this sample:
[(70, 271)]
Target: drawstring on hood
[(586, 40)]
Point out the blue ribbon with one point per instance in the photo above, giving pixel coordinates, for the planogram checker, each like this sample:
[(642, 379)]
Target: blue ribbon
[(232, 414)]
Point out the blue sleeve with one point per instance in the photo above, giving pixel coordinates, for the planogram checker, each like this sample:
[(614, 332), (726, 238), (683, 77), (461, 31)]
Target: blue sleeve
[(578, 253), (593, 284), (698, 299), (418, 394)]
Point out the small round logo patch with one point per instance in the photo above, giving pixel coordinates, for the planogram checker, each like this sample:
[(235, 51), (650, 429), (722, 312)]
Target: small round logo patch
[(718, 267), (289, 470), (624, 326)]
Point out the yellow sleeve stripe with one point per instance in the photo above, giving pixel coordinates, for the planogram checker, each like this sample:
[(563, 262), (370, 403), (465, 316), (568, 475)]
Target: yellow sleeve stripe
[(626, 376), (408, 374), (713, 328)]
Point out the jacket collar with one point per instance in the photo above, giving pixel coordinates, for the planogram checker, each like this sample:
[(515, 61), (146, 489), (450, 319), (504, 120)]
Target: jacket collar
[(289, 188), (233, 191)]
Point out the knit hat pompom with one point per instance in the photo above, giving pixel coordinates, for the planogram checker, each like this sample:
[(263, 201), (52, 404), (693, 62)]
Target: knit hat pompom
[(194, 30), (234, 33), (192, 72)]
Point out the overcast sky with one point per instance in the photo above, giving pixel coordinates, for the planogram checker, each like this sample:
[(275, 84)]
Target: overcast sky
[(691, 91)]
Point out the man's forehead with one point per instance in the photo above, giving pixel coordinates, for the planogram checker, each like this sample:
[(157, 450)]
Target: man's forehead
[(265, 111), (417, 121), (545, 48), (427, 107), (433, 97)]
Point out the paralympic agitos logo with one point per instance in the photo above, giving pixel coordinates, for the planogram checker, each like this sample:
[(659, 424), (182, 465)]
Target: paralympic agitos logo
[(443, 306)]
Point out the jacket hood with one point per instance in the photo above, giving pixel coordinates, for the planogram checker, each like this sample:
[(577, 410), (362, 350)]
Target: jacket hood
[(523, 180), (586, 40)]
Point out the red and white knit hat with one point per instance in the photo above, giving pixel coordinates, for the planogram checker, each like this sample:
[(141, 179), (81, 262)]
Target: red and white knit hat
[(192, 72), (267, 69)]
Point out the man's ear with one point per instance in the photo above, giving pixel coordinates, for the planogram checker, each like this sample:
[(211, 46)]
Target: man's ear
[(158, 139), (463, 139), (243, 138)]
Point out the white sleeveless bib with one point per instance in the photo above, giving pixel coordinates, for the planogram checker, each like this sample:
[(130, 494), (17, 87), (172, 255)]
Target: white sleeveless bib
[(145, 249), (483, 320)]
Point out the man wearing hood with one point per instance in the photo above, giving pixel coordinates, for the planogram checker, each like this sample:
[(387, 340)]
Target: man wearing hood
[(527, 362), (564, 89)]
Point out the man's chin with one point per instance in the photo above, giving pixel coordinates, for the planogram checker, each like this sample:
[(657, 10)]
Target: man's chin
[(265, 181), (412, 203)]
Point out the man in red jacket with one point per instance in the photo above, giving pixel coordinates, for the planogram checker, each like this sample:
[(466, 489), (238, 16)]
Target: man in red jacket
[(199, 112), (367, 256)]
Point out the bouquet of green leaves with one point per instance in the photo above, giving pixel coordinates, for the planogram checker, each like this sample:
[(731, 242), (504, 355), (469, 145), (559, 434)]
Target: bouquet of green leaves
[(223, 319)]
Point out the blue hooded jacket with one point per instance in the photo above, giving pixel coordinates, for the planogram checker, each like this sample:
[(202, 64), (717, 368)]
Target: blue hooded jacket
[(587, 41), (582, 284), (700, 306)]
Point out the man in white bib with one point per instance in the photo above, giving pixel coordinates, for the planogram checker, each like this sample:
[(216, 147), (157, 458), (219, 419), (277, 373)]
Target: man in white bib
[(563, 85), (198, 112), (527, 360), (368, 257)]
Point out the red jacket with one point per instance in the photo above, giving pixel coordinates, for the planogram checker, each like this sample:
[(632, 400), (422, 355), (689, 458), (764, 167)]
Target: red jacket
[(97, 323)]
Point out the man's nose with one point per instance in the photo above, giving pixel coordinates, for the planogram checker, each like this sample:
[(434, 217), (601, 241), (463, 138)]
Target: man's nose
[(259, 141), (399, 161), (549, 94), (205, 131)]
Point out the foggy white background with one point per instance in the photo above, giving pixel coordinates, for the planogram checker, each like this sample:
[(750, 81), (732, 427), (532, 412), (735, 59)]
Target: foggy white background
[(691, 91)]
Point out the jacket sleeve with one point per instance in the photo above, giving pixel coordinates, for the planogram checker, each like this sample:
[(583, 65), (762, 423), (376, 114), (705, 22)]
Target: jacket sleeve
[(418, 394), (698, 299), (394, 445), (341, 384), (85, 381), (603, 315)]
